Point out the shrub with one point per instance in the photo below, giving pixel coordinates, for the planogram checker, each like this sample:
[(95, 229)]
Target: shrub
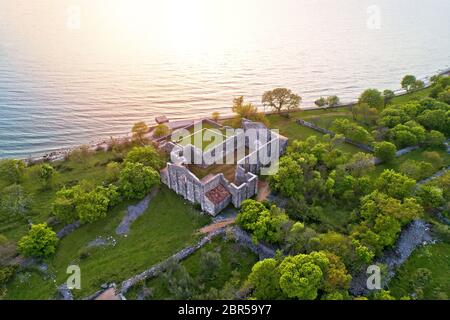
[(39, 242), (136, 180), (147, 156), (11, 171), (215, 116), (161, 130), (385, 151)]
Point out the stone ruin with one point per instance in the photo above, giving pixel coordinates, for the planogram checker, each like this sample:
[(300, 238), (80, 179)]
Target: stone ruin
[(214, 192)]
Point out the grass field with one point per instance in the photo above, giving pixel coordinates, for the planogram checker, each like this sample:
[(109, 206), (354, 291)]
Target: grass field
[(203, 139), (153, 237), (233, 258), (431, 284), (289, 128), (417, 155), (91, 169)]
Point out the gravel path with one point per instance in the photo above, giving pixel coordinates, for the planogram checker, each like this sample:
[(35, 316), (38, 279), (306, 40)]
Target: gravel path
[(133, 212)]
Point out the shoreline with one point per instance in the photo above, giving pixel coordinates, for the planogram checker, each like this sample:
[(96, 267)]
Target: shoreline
[(102, 143)]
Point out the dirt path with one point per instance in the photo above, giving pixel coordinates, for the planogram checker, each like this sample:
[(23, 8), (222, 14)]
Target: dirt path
[(215, 226), (263, 190)]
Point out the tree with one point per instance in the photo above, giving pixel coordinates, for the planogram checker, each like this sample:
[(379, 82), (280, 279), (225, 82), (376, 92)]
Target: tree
[(39, 242), (161, 130), (373, 98), (408, 82), (147, 156), (11, 171), (139, 130), (215, 116), (332, 101), (360, 163), (210, 262), (14, 201), (444, 96), (433, 119), (385, 151), (263, 223), (112, 171), (408, 134), (321, 102), (247, 111), (264, 279), (434, 158), (388, 95), (84, 203), (395, 184), (46, 174), (434, 139), (417, 170), (281, 98), (430, 196), (136, 180), (352, 130), (64, 205)]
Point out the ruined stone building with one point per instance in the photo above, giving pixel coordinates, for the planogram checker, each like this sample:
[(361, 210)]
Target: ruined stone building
[(215, 185)]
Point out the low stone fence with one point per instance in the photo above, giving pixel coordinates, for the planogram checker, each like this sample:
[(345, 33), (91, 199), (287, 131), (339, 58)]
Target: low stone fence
[(160, 267), (310, 125), (244, 239)]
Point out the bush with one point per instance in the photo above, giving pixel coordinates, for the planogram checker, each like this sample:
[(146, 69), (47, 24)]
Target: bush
[(11, 171), (136, 180), (210, 262), (385, 151), (434, 139), (39, 242), (417, 170), (147, 156), (161, 130), (352, 131)]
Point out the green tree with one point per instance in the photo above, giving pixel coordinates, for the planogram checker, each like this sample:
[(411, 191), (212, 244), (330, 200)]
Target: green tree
[(434, 139), (301, 275), (39, 242), (418, 84), (388, 95), (333, 101), (408, 82), (360, 163), (46, 174), (210, 262), (147, 156), (161, 130), (373, 98), (263, 223), (247, 111), (14, 201), (385, 151), (395, 184), (136, 180), (11, 171), (112, 171), (281, 99), (264, 279), (444, 96), (139, 130), (321, 102), (430, 197)]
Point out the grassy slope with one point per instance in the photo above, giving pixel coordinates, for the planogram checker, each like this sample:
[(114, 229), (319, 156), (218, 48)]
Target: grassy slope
[(69, 173), (153, 237), (434, 258), (234, 257)]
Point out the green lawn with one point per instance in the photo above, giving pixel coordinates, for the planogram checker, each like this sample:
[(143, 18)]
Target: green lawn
[(290, 129), (424, 93), (167, 226), (417, 155), (409, 280), (233, 257)]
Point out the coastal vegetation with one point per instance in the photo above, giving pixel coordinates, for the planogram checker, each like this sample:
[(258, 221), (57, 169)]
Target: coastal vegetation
[(334, 209)]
